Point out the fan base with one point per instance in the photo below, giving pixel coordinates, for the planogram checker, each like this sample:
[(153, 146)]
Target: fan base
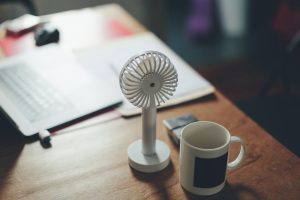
[(150, 163)]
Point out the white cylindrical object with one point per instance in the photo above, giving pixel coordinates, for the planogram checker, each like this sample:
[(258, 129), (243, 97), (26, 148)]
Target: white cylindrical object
[(204, 148), (233, 16), (149, 130)]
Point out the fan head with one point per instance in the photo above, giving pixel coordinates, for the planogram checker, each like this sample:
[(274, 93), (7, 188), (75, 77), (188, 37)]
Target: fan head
[(148, 78)]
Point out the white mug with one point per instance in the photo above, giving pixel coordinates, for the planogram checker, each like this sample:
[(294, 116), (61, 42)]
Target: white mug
[(204, 157)]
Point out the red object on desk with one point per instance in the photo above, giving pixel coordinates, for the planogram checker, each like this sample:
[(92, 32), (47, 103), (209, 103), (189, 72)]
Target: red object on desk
[(12, 45), (116, 29)]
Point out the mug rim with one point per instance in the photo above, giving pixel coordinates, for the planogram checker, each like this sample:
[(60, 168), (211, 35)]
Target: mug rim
[(206, 149)]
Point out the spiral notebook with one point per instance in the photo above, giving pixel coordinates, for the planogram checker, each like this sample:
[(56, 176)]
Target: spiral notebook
[(191, 85)]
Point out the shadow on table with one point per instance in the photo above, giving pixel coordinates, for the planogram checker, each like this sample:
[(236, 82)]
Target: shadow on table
[(159, 181), (230, 192), (11, 145)]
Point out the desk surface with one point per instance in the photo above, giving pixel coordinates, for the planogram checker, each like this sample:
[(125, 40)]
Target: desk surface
[(91, 163)]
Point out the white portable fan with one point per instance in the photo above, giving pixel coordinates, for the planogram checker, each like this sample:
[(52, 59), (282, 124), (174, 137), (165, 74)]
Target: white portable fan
[(147, 80)]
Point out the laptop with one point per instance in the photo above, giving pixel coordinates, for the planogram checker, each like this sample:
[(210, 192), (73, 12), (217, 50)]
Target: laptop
[(47, 87)]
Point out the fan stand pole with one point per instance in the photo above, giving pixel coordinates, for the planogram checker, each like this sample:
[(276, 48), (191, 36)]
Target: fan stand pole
[(149, 129), (148, 155)]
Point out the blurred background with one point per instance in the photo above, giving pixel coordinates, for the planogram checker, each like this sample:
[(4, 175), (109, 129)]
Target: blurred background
[(248, 49)]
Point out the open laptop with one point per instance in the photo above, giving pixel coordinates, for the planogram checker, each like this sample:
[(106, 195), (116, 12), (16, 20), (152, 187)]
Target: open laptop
[(46, 87)]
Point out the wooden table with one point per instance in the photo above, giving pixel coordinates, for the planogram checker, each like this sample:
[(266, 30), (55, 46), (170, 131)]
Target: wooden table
[(91, 163)]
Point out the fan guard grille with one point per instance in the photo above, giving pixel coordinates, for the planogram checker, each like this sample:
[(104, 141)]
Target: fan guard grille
[(148, 77)]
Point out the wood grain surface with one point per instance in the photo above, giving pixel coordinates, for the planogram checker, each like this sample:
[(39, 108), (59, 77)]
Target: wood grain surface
[(91, 163)]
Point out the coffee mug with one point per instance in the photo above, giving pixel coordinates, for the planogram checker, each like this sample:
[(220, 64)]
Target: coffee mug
[(204, 157)]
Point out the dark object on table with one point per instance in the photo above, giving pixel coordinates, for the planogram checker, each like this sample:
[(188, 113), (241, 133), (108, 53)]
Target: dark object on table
[(175, 125), (45, 35)]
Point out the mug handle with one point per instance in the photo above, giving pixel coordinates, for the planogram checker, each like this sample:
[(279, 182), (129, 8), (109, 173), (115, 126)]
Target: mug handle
[(236, 163)]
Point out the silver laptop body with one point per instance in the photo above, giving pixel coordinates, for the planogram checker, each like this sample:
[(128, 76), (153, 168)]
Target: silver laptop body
[(47, 87)]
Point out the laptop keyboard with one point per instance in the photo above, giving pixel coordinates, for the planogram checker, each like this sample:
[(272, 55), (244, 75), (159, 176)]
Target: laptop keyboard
[(31, 93)]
